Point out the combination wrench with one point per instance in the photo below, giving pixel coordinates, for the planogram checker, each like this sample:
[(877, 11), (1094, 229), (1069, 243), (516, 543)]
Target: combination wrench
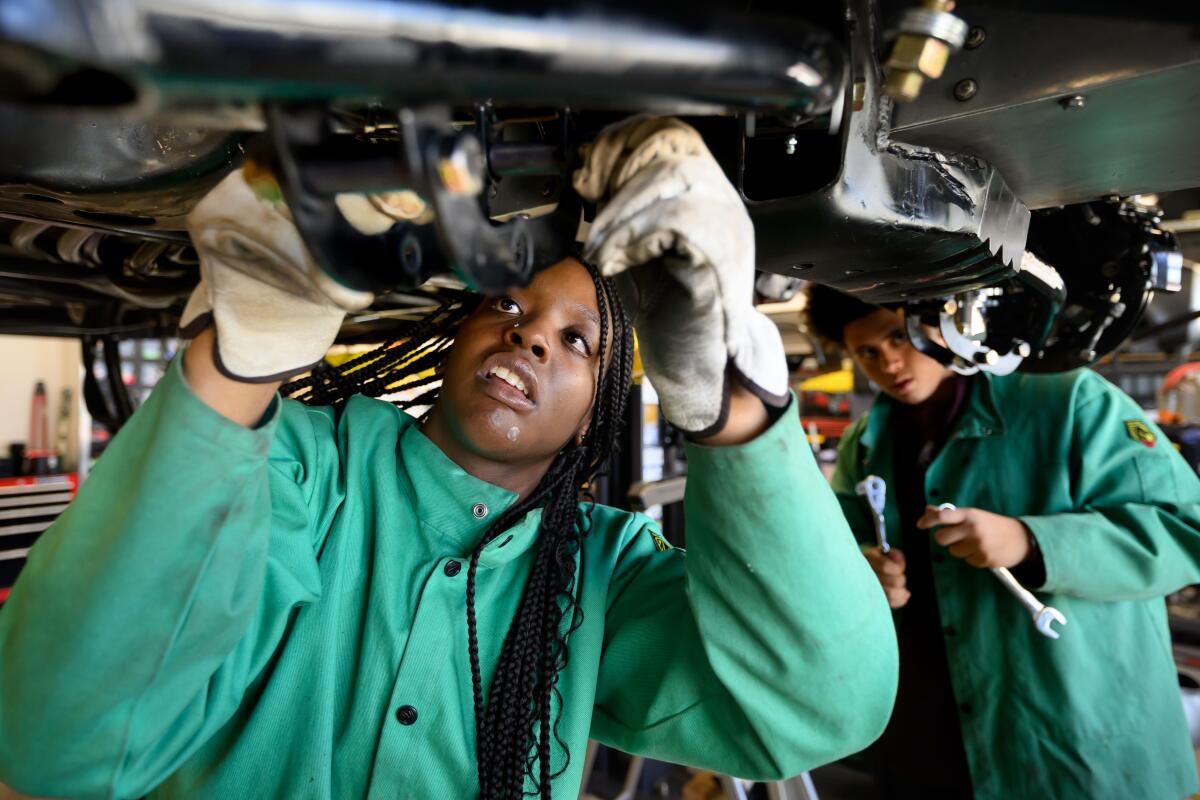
[(1044, 616)]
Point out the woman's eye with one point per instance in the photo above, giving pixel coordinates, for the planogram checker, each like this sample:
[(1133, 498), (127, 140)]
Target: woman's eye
[(578, 341), (506, 305)]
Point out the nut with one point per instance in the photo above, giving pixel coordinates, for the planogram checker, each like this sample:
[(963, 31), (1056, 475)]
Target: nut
[(921, 54), (904, 84)]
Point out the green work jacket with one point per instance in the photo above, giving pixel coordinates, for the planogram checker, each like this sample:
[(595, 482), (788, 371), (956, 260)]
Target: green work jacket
[(1116, 513), (279, 612)]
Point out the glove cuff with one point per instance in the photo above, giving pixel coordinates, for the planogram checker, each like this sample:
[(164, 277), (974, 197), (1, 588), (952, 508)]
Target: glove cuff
[(198, 313), (768, 397), (275, 378), (722, 414)]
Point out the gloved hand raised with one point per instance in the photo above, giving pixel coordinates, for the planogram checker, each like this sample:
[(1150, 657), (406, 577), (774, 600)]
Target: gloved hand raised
[(276, 312), (676, 236)]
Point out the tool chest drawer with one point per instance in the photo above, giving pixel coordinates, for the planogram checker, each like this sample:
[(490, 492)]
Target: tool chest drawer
[(28, 506)]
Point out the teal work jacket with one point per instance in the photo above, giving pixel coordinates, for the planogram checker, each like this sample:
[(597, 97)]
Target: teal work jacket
[(1116, 513), (280, 612)]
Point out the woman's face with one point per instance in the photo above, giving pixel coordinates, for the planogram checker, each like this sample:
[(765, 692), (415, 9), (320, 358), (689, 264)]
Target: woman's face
[(519, 382)]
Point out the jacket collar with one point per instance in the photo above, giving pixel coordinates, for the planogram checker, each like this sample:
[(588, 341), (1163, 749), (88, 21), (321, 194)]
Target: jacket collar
[(459, 506), (980, 418)]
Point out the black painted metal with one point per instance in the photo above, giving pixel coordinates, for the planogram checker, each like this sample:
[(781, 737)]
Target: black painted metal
[(460, 236), (1133, 68), (1103, 250), (898, 222), (619, 55), (105, 172)]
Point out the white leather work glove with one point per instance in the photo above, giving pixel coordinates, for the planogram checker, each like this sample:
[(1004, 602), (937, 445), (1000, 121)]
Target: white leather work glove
[(276, 312), (676, 236)]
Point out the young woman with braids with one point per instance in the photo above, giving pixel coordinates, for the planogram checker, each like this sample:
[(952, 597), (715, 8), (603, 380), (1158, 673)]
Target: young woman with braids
[(255, 597)]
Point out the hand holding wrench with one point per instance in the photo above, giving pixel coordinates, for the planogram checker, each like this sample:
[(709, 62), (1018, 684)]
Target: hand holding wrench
[(875, 490), (1044, 616)]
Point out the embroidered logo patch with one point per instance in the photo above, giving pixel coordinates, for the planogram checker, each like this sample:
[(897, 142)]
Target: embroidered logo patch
[(660, 544), (1140, 432)]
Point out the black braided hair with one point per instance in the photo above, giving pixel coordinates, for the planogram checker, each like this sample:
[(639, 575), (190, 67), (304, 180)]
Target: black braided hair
[(515, 729)]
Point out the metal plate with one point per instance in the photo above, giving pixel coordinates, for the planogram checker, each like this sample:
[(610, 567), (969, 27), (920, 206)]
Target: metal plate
[(1135, 132)]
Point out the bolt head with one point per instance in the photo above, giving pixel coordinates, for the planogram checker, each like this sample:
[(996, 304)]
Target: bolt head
[(1074, 101), (975, 37), (965, 89)]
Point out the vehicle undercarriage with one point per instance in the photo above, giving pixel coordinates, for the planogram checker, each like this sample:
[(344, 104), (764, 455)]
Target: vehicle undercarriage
[(860, 168)]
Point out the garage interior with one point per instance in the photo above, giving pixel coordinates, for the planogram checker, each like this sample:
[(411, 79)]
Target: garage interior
[(1070, 133)]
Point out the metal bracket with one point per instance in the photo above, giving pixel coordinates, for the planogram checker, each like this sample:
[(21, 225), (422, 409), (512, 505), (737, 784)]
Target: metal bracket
[(440, 168)]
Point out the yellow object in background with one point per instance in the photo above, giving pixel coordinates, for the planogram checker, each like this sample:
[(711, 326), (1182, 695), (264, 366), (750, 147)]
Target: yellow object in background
[(840, 382)]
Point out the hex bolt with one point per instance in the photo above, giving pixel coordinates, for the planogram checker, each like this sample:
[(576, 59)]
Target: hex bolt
[(975, 37), (789, 145), (965, 89), (928, 34)]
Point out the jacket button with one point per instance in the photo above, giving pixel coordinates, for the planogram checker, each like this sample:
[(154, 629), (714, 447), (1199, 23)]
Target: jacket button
[(951, 630), (479, 510), (406, 715), (451, 569), (964, 708)]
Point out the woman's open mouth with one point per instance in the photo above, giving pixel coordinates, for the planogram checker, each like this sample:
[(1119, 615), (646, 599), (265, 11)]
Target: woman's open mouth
[(509, 384)]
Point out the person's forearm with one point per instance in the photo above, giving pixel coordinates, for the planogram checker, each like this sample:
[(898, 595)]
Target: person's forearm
[(747, 419), (244, 403)]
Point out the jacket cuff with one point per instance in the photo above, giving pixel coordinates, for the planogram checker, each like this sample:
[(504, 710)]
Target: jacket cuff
[(177, 401), (1050, 533)]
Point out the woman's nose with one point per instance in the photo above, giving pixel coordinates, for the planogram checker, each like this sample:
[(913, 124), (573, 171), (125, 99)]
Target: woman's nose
[(527, 338)]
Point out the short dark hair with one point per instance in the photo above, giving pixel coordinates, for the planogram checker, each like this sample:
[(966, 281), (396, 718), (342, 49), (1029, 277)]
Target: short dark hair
[(829, 312)]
